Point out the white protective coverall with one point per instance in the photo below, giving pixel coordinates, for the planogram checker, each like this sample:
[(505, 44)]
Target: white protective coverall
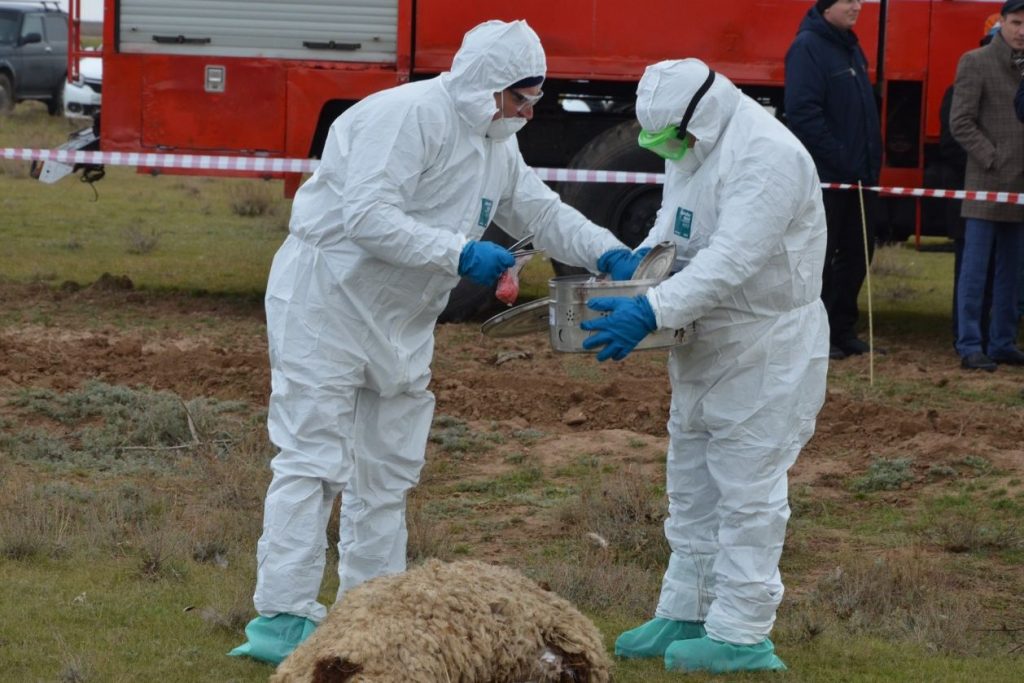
[(744, 209), (407, 178)]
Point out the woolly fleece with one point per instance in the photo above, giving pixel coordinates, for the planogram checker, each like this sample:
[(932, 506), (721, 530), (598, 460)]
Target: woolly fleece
[(464, 622)]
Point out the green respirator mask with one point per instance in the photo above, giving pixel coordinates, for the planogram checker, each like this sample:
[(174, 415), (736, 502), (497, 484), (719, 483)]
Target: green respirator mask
[(670, 142)]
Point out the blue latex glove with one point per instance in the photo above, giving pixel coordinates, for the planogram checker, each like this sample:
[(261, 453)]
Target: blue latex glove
[(484, 262), (630, 321), (621, 263)]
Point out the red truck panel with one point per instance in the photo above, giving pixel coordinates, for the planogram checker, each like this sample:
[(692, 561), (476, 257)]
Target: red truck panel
[(957, 26), (274, 104), (154, 101), (591, 39), (309, 87), (248, 116)]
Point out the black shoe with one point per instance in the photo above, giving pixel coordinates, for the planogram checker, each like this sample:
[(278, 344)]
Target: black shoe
[(853, 346), (1013, 357), (978, 361), (836, 353)]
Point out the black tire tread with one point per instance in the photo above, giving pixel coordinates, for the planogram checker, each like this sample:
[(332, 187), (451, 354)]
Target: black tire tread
[(616, 149)]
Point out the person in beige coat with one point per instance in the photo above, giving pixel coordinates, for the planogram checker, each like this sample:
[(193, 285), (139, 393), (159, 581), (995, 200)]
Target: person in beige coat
[(982, 120)]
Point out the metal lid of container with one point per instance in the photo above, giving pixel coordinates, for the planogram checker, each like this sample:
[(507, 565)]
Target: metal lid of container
[(658, 262), (525, 319)]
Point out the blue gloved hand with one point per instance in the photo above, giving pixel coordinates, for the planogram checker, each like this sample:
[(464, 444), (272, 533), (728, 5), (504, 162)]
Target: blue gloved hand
[(484, 262), (621, 263), (630, 321)]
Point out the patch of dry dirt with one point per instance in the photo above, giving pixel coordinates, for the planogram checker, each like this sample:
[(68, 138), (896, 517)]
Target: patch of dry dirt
[(198, 346)]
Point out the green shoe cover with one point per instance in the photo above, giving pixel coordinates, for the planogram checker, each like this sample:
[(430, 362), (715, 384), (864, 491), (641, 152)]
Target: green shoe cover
[(271, 639), (651, 639), (705, 654)]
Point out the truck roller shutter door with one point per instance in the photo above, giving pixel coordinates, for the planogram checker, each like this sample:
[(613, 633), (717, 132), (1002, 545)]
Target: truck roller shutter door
[(323, 30)]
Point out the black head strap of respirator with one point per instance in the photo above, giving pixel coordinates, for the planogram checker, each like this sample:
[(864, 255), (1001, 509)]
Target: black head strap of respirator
[(701, 91)]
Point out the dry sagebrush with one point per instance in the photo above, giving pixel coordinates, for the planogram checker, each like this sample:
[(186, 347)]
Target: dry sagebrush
[(464, 622)]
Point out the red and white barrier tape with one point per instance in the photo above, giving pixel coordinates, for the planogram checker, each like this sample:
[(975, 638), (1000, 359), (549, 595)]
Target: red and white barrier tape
[(976, 195), (278, 165), (575, 175), (155, 160)]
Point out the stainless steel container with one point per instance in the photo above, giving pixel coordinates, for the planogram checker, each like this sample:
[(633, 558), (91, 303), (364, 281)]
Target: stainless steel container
[(568, 297)]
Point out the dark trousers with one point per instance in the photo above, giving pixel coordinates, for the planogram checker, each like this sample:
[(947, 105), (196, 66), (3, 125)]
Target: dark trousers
[(986, 303), (845, 265), (989, 243)]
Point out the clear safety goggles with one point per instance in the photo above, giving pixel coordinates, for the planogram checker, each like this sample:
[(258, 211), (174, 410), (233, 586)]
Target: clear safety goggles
[(523, 101), (666, 143)]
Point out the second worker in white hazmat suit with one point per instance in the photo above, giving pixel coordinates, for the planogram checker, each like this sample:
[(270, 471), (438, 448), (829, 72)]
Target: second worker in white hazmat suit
[(379, 235), (742, 202)]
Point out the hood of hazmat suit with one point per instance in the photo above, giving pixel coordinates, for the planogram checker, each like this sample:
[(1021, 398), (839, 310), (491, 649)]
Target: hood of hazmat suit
[(744, 210), (493, 56)]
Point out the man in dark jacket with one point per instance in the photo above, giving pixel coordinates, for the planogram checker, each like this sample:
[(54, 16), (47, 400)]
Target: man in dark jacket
[(981, 121), (831, 107)]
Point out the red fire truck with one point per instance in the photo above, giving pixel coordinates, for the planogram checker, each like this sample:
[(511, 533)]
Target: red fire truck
[(266, 78)]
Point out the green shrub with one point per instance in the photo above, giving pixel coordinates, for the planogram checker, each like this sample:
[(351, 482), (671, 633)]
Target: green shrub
[(454, 436), (885, 475), (624, 511), (897, 596), (118, 429)]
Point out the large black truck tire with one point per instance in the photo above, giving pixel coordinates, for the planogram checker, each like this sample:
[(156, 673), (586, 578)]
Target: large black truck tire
[(627, 209)]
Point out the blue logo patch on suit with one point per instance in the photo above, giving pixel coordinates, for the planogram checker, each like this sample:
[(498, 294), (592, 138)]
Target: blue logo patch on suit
[(485, 212), (684, 219)]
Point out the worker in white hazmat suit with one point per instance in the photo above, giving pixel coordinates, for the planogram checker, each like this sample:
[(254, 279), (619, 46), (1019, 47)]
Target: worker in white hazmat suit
[(742, 203), (379, 235)]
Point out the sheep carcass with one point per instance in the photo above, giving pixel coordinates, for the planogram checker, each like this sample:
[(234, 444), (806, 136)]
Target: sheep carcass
[(463, 622)]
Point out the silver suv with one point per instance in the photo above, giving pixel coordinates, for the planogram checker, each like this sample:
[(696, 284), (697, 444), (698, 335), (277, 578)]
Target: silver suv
[(33, 54)]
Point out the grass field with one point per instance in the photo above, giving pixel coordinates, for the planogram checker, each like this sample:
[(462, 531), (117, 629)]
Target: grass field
[(133, 456)]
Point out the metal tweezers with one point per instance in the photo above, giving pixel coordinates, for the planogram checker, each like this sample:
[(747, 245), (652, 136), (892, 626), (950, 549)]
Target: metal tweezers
[(517, 251)]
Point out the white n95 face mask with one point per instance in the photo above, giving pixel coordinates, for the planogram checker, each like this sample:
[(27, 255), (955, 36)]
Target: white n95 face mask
[(504, 128)]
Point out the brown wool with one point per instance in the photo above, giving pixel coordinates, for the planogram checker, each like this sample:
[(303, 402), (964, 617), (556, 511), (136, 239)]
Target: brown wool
[(462, 621)]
